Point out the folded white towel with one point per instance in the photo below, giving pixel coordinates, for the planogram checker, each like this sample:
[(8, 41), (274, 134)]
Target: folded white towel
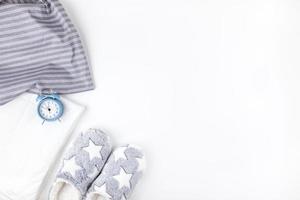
[(28, 148)]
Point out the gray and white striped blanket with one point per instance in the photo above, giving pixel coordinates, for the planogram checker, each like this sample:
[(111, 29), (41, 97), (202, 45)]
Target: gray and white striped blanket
[(40, 50)]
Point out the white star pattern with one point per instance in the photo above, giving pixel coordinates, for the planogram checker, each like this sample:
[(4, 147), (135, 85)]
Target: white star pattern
[(70, 166), (120, 153), (123, 178), (142, 164), (93, 150), (102, 191)]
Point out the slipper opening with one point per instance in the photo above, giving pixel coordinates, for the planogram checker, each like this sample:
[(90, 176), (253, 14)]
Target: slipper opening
[(64, 191)]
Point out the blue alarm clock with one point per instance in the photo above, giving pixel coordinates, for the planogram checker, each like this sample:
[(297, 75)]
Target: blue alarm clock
[(50, 107)]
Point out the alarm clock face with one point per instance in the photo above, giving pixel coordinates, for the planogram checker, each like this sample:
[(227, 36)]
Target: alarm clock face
[(50, 109)]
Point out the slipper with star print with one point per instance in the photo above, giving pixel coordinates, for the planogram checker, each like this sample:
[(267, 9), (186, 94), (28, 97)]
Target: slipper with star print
[(119, 176), (81, 166)]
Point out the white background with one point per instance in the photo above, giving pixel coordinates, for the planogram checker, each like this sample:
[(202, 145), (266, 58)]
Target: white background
[(209, 88)]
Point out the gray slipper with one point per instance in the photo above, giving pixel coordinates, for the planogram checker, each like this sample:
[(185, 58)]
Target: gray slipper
[(81, 165), (120, 175)]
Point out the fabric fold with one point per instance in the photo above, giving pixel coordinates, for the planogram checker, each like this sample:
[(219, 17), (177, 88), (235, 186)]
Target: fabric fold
[(29, 148)]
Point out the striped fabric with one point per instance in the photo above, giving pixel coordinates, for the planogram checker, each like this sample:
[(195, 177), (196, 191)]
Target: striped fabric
[(40, 50)]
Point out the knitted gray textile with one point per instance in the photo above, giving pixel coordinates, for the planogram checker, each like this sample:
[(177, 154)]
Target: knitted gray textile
[(120, 175), (40, 50), (86, 158)]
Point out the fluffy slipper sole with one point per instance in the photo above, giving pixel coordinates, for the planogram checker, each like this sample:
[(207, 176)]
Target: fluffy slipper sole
[(81, 166), (120, 175)]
